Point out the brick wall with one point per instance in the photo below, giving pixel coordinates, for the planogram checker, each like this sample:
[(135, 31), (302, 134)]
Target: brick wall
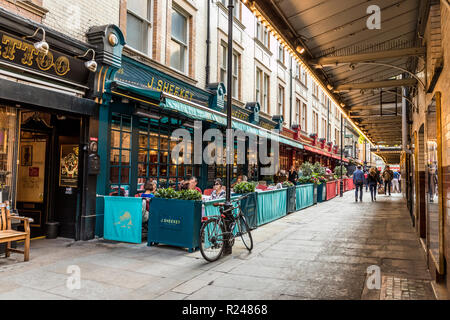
[(74, 18), (23, 10)]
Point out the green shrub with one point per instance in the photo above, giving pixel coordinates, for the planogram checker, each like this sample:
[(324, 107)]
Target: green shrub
[(304, 179), (244, 187), (189, 195), (170, 193), (337, 171), (307, 169), (287, 184)]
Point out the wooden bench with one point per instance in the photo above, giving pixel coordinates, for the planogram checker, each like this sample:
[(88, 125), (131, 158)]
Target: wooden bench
[(7, 234)]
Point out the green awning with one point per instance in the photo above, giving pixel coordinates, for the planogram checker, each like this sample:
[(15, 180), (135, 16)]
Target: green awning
[(221, 118), (119, 87)]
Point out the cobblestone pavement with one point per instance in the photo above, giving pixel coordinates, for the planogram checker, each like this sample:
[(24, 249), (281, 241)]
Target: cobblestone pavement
[(322, 252)]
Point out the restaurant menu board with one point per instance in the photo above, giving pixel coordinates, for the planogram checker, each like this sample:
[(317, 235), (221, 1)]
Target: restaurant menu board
[(68, 169)]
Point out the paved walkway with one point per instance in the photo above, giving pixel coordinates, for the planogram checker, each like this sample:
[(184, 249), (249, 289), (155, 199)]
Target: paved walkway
[(322, 252)]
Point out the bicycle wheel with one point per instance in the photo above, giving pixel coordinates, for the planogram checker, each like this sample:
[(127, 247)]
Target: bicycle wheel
[(244, 233), (211, 240)]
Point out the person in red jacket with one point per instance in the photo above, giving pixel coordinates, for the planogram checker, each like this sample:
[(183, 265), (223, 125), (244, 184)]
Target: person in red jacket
[(192, 184)]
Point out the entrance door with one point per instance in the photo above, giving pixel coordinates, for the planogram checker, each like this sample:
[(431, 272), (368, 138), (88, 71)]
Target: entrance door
[(32, 179), (48, 184)]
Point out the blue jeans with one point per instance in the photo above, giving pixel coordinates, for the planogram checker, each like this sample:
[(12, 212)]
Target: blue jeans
[(360, 188)]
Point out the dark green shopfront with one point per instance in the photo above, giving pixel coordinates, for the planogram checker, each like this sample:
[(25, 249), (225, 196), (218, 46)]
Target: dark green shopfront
[(140, 109)]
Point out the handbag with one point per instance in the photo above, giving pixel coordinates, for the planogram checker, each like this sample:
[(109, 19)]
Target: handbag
[(381, 190)]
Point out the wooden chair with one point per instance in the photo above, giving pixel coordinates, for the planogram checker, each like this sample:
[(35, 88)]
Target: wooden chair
[(7, 234)]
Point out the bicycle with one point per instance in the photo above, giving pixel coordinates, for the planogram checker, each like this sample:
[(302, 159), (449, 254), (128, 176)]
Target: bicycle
[(214, 231)]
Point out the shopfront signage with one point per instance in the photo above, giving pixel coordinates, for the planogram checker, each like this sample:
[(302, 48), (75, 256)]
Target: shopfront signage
[(142, 76), (22, 53)]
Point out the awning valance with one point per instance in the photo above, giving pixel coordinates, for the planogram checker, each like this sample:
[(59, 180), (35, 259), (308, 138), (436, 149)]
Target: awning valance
[(199, 112)]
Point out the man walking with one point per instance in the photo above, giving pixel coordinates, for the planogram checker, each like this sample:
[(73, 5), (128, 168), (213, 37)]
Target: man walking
[(388, 175), (358, 181), (395, 182)]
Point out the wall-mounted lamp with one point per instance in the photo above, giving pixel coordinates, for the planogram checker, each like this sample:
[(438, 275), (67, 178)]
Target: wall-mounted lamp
[(91, 65), (329, 87), (41, 46), (300, 49)]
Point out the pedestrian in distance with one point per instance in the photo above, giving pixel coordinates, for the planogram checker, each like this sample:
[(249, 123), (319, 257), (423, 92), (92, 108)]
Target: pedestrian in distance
[(395, 182), (373, 181), (358, 181), (388, 175), (366, 180), (293, 175)]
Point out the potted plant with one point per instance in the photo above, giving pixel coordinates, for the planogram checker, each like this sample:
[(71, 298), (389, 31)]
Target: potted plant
[(175, 218)]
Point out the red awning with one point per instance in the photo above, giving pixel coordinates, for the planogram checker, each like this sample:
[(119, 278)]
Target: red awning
[(324, 153)]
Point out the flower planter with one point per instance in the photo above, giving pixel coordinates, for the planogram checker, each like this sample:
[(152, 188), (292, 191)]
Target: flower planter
[(175, 222), (123, 219), (331, 189), (291, 199), (271, 205), (304, 196), (321, 192)]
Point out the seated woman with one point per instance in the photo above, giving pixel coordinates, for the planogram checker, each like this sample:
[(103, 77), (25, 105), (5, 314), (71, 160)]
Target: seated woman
[(149, 188), (219, 191)]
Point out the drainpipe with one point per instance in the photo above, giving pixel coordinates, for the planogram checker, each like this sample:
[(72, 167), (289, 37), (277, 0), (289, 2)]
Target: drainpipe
[(208, 41), (290, 94)]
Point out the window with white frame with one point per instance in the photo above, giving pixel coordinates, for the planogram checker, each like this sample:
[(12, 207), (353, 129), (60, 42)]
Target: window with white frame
[(324, 128), (297, 71), (235, 73), (315, 128), (281, 53), (337, 138), (304, 79), (265, 98), (258, 85), (236, 9), (139, 25), (303, 114), (262, 90), (297, 111), (179, 41), (280, 109), (262, 34)]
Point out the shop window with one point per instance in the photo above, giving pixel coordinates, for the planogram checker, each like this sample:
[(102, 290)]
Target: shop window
[(155, 160), (139, 25), (8, 119), (120, 154)]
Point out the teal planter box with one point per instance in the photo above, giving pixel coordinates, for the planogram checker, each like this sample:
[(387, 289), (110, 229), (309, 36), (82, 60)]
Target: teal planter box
[(175, 222), (291, 200), (321, 192), (315, 194), (123, 219), (249, 208), (304, 196), (271, 205)]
